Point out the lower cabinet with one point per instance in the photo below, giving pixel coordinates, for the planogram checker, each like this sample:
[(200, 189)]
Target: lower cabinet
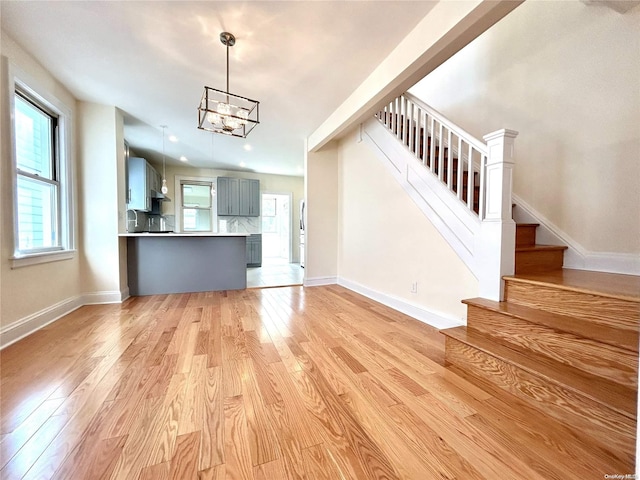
[(254, 250)]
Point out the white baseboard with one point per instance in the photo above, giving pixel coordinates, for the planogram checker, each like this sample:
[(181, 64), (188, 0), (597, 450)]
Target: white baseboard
[(29, 324), (435, 319), (98, 298), (317, 281), (576, 256)]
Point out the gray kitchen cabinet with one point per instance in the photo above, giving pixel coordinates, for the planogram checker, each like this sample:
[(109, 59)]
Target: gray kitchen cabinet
[(254, 250), (238, 197), (249, 197), (139, 183), (143, 183), (228, 196)]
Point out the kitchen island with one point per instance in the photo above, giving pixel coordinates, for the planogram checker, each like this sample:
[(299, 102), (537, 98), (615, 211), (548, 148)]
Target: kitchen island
[(159, 263)]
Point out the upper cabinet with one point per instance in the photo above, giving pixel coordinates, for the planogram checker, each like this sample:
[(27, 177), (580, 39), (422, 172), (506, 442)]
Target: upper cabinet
[(143, 181), (238, 197), (228, 196), (249, 198)]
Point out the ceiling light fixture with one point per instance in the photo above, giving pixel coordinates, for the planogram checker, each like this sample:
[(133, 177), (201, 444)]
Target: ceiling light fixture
[(183, 158), (173, 138), (223, 112), (164, 188)]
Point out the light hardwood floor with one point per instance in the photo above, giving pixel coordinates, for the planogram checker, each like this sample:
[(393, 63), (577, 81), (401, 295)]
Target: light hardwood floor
[(280, 383)]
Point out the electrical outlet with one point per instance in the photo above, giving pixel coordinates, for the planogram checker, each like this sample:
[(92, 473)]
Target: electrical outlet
[(414, 287)]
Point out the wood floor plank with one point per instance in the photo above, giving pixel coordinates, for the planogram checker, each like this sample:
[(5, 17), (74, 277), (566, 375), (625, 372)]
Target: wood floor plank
[(236, 440), (185, 458), (263, 441), (159, 471), (212, 421), (270, 470), (319, 464), (14, 441), (271, 384)]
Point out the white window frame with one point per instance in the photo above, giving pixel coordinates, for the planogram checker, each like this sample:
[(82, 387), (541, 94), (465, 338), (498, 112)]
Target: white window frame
[(66, 205), (178, 180)]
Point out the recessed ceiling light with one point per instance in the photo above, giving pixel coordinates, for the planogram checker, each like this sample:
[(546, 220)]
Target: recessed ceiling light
[(247, 147), (242, 164), (173, 138), (183, 158)]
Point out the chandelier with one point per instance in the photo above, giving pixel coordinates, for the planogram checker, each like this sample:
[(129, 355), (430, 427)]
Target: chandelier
[(223, 112)]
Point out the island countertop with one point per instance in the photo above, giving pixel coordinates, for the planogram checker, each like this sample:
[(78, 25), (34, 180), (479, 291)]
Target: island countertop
[(182, 234)]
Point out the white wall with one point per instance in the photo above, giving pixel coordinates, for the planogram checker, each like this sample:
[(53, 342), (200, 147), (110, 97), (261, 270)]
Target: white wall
[(386, 244), (28, 290), (100, 192), (565, 75), (268, 183), (321, 235)]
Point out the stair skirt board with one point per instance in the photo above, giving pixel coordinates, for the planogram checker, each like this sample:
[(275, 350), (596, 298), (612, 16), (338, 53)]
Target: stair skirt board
[(576, 256), (455, 222), (605, 426)]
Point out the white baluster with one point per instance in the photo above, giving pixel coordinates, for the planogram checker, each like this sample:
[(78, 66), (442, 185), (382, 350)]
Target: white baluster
[(433, 144), (460, 168), (449, 160), (425, 139), (470, 179), (410, 134), (441, 153)]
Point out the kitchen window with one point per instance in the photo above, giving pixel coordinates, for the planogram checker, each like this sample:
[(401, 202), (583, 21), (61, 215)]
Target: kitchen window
[(196, 206), (42, 227)]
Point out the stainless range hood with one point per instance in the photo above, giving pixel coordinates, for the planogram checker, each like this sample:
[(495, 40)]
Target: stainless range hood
[(161, 197)]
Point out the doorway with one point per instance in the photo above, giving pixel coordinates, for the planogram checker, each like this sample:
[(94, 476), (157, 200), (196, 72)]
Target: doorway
[(276, 225), (276, 229)]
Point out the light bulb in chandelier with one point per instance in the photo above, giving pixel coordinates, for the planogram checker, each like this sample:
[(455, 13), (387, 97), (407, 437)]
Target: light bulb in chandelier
[(244, 115), (164, 188), (224, 108)]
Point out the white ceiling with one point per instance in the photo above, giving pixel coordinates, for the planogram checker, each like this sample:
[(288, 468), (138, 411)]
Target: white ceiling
[(300, 59)]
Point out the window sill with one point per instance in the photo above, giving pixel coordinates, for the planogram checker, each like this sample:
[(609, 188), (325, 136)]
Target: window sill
[(45, 257)]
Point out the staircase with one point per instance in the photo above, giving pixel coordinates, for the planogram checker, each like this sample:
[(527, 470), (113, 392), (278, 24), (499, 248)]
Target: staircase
[(564, 341)]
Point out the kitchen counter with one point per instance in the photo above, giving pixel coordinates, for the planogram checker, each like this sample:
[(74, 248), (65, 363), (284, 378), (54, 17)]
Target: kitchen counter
[(181, 234), (161, 263)]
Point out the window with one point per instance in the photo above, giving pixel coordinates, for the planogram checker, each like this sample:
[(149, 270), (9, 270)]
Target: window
[(196, 206), (38, 188), (42, 200)]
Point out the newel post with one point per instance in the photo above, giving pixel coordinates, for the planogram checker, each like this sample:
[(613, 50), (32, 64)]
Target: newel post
[(498, 233)]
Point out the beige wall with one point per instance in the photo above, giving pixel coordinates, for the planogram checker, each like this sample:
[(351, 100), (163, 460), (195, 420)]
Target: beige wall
[(268, 183), (566, 76), (30, 289), (101, 160), (386, 243), (321, 236)]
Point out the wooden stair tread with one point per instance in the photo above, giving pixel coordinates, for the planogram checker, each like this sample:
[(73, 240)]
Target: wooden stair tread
[(527, 224), (614, 396), (624, 287), (603, 333), (540, 248)]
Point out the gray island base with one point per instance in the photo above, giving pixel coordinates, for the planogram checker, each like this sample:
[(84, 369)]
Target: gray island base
[(175, 263)]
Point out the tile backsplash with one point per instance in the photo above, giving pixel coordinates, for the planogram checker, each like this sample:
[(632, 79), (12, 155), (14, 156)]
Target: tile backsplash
[(239, 225)]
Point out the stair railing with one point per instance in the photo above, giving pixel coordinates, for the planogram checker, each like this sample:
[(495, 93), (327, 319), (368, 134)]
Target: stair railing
[(477, 173)]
